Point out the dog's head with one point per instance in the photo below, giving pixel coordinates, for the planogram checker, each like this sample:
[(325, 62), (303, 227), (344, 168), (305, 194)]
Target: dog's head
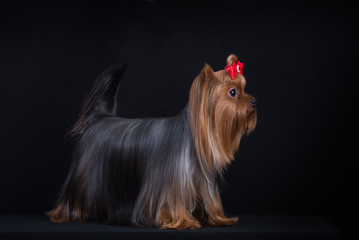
[(221, 113)]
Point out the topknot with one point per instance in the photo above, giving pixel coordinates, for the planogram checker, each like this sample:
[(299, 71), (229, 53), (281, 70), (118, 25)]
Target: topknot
[(231, 58)]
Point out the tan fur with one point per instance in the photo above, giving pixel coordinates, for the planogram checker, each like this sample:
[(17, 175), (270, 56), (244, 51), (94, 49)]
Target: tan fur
[(218, 122)]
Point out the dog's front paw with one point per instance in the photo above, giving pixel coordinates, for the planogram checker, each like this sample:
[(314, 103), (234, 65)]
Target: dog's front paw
[(182, 225), (218, 221)]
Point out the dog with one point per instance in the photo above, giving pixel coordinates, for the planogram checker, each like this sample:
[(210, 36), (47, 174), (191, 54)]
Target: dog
[(157, 172)]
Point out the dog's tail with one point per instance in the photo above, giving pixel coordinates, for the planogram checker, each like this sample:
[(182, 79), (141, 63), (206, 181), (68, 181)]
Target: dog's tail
[(101, 101)]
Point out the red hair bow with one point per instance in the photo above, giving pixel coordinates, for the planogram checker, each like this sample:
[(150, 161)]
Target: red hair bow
[(234, 69)]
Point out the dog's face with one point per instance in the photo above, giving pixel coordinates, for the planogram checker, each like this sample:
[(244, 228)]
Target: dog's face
[(234, 110), (222, 112)]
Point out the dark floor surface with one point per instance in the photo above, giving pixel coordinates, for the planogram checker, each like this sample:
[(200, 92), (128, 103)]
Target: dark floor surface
[(248, 227)]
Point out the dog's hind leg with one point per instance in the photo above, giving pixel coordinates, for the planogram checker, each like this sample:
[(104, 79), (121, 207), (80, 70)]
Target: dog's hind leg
[(70, 205)]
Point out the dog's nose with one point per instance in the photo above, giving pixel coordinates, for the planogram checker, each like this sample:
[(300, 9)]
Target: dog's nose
[(253, 102)]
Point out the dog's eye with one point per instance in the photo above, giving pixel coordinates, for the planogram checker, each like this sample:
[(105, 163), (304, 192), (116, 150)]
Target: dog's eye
[(233, 92)]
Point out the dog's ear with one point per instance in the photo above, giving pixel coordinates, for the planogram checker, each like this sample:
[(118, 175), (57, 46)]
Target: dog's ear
[(206, 73), (201, 86)]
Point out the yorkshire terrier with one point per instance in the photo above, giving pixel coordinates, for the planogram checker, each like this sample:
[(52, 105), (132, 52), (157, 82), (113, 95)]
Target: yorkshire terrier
[(157, 172)]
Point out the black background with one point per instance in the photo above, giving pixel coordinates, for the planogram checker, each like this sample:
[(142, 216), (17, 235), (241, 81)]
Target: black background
[(300, 61)]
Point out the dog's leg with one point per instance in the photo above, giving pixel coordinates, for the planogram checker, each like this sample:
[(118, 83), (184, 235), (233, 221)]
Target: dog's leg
[(59, 214), (63, 213), (213, 205), (178, 218)]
